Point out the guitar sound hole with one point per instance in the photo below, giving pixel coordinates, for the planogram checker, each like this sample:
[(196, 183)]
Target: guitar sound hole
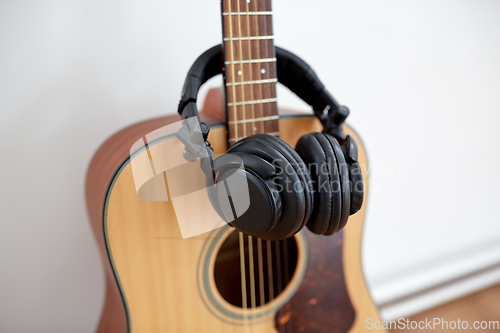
[(280, 256)]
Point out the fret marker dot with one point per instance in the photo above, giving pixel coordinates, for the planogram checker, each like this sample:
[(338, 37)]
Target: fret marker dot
[(248, 1), (255, 129), (263, 71), (239, 73)]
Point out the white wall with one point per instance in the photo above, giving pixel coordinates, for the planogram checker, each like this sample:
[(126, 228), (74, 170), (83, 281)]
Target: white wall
[(421, 79)]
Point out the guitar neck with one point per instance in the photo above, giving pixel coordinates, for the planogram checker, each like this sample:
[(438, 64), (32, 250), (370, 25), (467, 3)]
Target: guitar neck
[(249, 68)]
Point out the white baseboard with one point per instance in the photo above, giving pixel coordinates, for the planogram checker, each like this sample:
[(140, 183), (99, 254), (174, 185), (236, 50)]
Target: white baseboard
[(443, 281)]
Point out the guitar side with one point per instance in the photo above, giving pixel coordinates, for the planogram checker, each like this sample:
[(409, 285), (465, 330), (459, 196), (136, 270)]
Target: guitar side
[(152, 275)]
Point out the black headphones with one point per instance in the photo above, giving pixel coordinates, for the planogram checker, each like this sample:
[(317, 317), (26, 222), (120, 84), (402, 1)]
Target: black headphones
[(319, 184)]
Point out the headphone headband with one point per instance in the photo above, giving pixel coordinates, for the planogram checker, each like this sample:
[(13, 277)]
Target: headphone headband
[(254, 157), (293, 73)]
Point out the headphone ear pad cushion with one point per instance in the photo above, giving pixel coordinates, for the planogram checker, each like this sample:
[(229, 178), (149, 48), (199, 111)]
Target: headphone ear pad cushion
[(357, 187), (297, 204), (345, 186), (301, 169), (317, 152)]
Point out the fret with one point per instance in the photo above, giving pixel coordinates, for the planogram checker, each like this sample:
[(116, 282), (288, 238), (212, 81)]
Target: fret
[(240, 138), (246, 122), (256, 101), (251, 92), (258, 119), (248, 38), (254, 71), (249, 25), (250, 61), (251, 49), (248, 13), (253, 6), (252, 82)]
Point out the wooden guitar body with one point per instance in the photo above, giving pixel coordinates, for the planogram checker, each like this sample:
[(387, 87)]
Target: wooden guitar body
[(156, 281)]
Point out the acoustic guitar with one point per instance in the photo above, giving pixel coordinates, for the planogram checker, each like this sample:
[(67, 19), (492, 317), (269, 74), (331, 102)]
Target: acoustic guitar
[(156, 281)]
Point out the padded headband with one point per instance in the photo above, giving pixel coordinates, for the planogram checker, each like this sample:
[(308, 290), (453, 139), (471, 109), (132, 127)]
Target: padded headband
[(293, 73)]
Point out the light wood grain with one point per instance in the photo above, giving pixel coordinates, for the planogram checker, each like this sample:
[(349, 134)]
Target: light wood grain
[(158, 271)]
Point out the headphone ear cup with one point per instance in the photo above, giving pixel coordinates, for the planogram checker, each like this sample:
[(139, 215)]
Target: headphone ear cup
[(345, 183), (292, 179), (318, 153), (301, 169), (264, 209), (357, 187)]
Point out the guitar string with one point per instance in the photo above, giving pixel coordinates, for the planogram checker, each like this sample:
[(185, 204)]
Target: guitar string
[(252, 280), (243, 281), (229, 17), (270, 265), (279, 283), (252, 124), (273, 111), (270, 270), (287, 280), (272, 107), (257, 43), (250, 68), (242, 241), (288, 305), (261, 273), (253, 131), (243, 107), (235, 128), (260, 130)]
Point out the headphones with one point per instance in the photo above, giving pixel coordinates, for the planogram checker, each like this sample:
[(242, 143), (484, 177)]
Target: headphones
[(318, 184)]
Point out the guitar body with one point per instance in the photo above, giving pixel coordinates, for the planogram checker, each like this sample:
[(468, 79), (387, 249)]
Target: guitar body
[(156, 281)]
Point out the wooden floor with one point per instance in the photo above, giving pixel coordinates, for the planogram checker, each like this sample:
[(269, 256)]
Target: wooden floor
[(481, 306)]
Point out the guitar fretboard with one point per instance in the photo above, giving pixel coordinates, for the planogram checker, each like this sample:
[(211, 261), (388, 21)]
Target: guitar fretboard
[(250, 68)]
